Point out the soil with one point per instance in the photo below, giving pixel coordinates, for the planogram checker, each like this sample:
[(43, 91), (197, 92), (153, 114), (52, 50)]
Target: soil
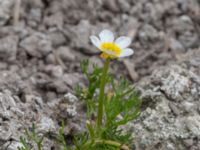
[(43, 41)]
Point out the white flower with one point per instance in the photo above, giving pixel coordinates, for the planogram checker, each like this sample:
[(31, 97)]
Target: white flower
[(111, 48)]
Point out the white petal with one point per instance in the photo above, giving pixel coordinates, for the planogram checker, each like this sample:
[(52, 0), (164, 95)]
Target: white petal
[(106, 36), (123, 42), (126, 52), (95, 41)]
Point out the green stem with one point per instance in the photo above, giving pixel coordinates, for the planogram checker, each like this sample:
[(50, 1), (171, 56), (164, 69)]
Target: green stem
[(113, 143), (106, 142), (39, 147), (101, 94)]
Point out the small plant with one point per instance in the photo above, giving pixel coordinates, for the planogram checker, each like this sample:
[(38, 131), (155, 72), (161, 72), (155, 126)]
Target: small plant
[(112, 108), (31, 135), (110, 102), (61, 137)]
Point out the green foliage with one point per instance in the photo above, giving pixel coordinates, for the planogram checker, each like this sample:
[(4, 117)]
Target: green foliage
[(31, 135), (120, 105), (24, 143), (61, 137), (88, 94)]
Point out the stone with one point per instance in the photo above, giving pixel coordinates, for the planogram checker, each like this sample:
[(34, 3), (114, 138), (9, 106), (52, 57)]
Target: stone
[(148, 33), (37, 45), (5, 134), (71, 79), (188, 142), (6, 102), (35, 15), (189, 39), (111, 5), (8, 47), (78, 35), (176, 46), (188, 106), (14, 145), (124, 6), (94, 61), (56, 19), (171, 108), (5, 11), (57, 38), (70, 98), (193, 125), (71, 110), (174, 84), (129, 27), (46, 125), (54, 71), (59, 86), (50, 59), (65, 53)]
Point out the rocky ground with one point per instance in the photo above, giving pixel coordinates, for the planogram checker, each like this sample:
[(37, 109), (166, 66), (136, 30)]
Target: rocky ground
[(40, 52)]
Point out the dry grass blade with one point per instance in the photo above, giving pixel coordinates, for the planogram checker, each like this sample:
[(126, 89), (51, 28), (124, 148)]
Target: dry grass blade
[(16, 14)]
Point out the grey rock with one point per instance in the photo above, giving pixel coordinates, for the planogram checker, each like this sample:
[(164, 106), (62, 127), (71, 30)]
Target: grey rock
[(5, 11), (193, 125), (71, 79), (124, 6), (176, 46), (188, 106), (79, 33), (46, 125), (54, 71), (34, 16), (189, 39), (57, 38), (8, 47), (11, 81), (14, 145), (186, 19), (183, 5), (161, 122), (174, 84), (57, 71), (71, 110), (37, 44), (36, 4), (5, 134), (94, 60), (188, 142), (65, 53), (6, 102), (56, 19), (111, 5), (70, 98), (60, 86), (129, 27), (148, 33), (50, 59)]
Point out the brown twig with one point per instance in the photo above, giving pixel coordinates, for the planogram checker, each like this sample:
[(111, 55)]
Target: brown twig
[(16, 14), (59, 60)]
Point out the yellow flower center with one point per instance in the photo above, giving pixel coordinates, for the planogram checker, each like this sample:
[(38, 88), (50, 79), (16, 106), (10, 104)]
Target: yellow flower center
[(111, 49)]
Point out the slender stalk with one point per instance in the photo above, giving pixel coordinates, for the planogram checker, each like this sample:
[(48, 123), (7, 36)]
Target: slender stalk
[(16, 14), (39, 147), (106, 142), (113, 143), (101, 94)]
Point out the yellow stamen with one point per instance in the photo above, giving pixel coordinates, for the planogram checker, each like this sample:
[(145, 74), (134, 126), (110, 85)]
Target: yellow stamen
[(110, 50), (104, 55)]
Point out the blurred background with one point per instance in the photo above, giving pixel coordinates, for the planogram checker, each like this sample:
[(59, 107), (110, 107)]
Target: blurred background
[(43, 41)]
